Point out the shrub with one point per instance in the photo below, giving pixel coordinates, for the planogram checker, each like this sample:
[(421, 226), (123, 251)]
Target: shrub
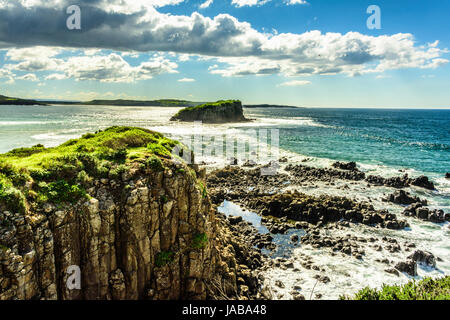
[(164, 258), (114, 155), (60, 191), (199, 241), (155, 164), (12, 198), (426, 289), (118, 171)]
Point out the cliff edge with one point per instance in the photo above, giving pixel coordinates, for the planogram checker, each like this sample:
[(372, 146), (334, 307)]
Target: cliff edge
[(116, 205), (217, 112)]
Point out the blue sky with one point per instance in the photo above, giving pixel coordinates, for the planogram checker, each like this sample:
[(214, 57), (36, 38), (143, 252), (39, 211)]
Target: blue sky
[(314, 54)]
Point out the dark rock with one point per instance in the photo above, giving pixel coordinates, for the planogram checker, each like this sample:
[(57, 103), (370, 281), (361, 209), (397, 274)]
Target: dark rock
[(298, 296), (424, 257), (294, 238), (409, 267), (345, 165), (423, 182), (234, 219), (447, 175), (404, 198), (422, 213), (392, 271)]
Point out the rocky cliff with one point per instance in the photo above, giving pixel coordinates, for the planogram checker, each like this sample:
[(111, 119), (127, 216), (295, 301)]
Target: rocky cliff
[(218, 112), (138, 224)]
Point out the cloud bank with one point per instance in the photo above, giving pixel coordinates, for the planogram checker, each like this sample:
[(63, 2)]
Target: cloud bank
[(238, 48)]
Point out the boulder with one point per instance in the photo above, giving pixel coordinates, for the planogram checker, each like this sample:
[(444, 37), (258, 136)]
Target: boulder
[(409, 267), (345, 165), (423, 182), (234, 219), (404, 198), (424, 257)]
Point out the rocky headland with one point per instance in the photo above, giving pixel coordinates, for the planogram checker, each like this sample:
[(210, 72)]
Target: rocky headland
[(138, 224), (217, 112)]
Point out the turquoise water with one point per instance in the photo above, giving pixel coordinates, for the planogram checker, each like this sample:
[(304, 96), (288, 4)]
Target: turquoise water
[(417, 139), (383, 142)]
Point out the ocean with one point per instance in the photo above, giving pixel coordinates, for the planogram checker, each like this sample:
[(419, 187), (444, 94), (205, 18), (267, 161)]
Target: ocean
[(382, 141)]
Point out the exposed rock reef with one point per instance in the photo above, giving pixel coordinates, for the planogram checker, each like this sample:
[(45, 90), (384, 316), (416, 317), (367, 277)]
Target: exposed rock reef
[(321, 210), (144, 229), (218, 112)]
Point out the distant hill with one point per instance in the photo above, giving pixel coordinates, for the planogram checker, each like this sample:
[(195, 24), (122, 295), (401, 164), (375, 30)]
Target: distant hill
[(16, 101), (138, 103), (268, 106)]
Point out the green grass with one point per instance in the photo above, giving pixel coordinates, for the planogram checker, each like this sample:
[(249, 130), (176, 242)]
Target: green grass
[(426, 289), (61, 174)]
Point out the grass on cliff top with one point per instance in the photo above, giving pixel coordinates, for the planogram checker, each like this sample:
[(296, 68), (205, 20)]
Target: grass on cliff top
[(426, 289), (61, 174), (219, 103)]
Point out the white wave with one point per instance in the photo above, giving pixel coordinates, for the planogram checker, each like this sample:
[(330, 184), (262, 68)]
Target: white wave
[(21, 123)]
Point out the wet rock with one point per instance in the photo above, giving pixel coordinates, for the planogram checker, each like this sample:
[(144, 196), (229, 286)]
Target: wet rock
[(235, 219), (423, 182), (404, 198), (392, 271), (294, 238), (422, 213), (424, 257), (305, 173), (297, 296), (447, 175), (409, 267), (280, 284), (345, 165)]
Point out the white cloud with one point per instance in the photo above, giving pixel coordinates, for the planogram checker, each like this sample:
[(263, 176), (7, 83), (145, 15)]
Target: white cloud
[(186, 80), (113, 68), (293, 2), (29, 77), (295, 83), (249, 3), (55, 76), (206, 4), (103, 68), (235, 46)]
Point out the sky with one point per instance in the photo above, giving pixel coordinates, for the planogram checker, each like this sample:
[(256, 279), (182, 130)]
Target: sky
[(310, 53)]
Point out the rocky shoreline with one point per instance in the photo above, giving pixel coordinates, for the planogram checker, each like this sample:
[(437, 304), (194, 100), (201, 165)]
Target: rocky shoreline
[(326, 219), (143, 226)]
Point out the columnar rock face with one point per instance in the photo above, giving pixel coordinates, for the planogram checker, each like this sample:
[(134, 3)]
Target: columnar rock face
[(146, 235), (218, 112), (134, 239)]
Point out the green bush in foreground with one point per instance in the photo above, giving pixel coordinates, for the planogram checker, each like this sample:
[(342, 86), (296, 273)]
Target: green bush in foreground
[(426, 289)]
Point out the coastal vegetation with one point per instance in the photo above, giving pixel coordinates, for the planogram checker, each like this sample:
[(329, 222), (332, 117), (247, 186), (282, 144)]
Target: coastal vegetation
[(16, 101), (426, 289), (59, 174)]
